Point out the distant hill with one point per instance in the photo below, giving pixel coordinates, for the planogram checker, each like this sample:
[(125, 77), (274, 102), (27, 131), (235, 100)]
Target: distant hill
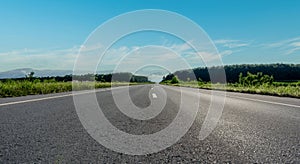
[(20, 73)]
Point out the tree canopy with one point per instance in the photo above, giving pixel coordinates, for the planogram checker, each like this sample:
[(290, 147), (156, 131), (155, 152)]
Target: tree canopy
[(280, 72)]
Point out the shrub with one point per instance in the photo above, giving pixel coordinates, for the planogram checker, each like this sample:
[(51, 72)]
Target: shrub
[(174, 80), (255, 79)]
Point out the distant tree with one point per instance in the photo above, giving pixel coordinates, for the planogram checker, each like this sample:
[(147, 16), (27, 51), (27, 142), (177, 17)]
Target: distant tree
[(175, 80), (279, 72), (30, 76)]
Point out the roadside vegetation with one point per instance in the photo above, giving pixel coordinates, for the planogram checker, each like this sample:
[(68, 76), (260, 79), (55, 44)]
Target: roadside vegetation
[(280, 72), (23, 88), (31, 85), (247, 83)]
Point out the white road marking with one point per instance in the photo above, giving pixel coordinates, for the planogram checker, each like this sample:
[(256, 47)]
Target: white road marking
[(154, 95), (269, 102), (238, 97), (33, 100), (59, 96)]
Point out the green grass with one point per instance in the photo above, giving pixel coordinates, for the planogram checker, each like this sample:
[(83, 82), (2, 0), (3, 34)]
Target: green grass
[(277, 89), (23, 88), (26, 87)]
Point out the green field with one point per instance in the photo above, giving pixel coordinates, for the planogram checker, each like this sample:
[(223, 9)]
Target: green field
[(13, 88)]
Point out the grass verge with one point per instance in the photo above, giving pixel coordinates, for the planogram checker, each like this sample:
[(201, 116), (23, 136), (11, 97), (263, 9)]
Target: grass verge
[(286, 90), (23, 88)]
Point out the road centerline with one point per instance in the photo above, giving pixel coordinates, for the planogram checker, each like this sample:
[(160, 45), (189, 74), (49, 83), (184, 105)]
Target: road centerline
[(154, 95)]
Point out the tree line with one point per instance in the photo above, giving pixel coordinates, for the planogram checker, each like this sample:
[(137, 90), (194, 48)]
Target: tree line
[(278, 72), (113, 77)]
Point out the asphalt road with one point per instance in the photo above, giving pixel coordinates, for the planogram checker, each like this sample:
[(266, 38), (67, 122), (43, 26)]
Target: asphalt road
[(252, 128)]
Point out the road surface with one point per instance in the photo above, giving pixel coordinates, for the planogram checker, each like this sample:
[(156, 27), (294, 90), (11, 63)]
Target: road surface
[(252, 128)]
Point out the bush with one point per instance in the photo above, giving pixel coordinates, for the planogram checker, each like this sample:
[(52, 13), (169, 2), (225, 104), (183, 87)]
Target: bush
[(174, 80), (255, 79)]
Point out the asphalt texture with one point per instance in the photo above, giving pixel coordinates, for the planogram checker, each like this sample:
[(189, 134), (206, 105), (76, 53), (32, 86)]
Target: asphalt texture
[(252, 128)]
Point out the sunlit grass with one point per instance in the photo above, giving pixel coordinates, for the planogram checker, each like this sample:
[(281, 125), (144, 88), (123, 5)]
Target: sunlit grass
[(23, 88), (277, 89)]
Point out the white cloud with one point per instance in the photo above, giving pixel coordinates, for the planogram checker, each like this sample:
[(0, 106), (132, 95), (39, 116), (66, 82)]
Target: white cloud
[(231, 43), (181, 47), (287, 47), (226, 52), (295, 44), (292, 50), (282, 42), (38, 59), (64, 59), (187, 52), (85, 48), (229, 46), (224, 41)]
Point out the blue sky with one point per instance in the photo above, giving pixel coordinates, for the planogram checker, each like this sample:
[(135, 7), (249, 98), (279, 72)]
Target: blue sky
[(47, 34)]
